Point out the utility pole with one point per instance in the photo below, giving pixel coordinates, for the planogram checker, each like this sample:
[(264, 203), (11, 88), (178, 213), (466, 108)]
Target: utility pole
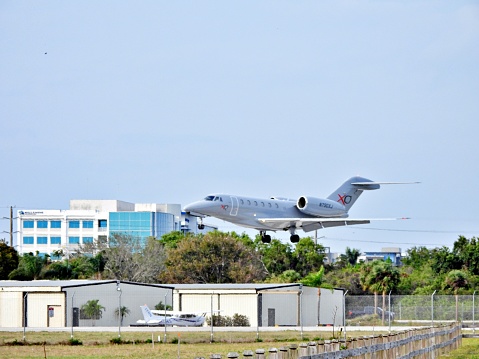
[(11, 226)]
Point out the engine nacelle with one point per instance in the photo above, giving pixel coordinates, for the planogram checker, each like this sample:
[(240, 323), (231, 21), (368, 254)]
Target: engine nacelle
[(320, 207)]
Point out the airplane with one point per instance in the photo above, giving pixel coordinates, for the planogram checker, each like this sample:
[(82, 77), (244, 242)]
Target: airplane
[(180, 319), (277, 213)]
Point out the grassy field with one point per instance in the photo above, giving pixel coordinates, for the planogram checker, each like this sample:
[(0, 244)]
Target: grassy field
[(191, 345)]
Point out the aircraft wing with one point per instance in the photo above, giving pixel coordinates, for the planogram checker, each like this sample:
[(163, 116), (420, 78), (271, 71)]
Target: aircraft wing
[(311, 224)]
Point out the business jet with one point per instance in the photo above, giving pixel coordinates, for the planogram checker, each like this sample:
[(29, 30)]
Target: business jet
[(162, 318), (276, 213)]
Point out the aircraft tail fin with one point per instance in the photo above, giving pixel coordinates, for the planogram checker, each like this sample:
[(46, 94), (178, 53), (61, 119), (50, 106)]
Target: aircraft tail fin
[(147, 314), (349, 191)]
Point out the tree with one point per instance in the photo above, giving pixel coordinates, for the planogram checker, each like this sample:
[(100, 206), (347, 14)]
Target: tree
[(126, 259), (315, 280), (123, 312), (456, 279), (92, 310), (307, 257), (8, 260), (215, 257), (350, 256), (29, 267), (277, 256), (380, 277)]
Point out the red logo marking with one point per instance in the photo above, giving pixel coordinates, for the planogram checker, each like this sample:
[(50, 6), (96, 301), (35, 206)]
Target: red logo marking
[(341, 199)]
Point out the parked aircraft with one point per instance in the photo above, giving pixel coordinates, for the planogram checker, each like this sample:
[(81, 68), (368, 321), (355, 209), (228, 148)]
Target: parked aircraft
[(276, 213), (161, 318)]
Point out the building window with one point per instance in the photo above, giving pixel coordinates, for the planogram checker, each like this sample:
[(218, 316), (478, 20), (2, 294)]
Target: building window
[(42, 224), (28, 224), (87, 224), (55, 240), (55, 224), (87, 240), (74, 240), (42, 240), (102, 223), (27, 240), (74, 224)]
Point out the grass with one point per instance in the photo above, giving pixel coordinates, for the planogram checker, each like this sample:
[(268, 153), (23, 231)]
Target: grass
[(468, 350), (97, 345)]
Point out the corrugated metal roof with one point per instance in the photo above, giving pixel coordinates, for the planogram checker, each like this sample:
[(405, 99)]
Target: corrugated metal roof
[(86, 282)]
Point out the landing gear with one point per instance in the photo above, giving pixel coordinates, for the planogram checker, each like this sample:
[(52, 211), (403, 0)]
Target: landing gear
[(294, 237), (265, 238), (201, 226)]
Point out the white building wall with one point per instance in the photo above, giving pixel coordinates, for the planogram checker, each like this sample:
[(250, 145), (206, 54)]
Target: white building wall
[(64, 216), (37, 309), (11, 304)]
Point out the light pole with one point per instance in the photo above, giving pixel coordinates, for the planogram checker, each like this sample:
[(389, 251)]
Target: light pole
[(432, 308), (344, 314), (119, 308)]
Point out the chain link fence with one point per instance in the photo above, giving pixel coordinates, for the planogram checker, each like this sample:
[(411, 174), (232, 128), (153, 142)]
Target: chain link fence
[(414, 309)]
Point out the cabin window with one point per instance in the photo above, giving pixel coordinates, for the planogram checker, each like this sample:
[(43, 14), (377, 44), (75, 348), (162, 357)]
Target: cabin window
[(255, 203), (249, 203), (262, 204), (277, 205), (242, 202), (269, 205)]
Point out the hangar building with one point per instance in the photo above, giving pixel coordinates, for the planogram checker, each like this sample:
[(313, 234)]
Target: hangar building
[(45, 303)]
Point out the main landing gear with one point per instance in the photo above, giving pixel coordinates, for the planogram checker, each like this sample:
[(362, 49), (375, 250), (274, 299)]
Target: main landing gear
[(294, 237), (265, 238)]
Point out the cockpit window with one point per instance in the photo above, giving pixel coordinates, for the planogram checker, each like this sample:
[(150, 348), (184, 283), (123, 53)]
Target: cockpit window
[(218, 199), (209, 198)]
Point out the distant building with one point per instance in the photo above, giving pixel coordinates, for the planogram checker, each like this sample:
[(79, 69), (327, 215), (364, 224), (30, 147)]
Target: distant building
[(392, 253), (90, 221)]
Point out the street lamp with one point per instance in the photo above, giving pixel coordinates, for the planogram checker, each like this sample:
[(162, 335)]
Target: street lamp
[(119, 308)]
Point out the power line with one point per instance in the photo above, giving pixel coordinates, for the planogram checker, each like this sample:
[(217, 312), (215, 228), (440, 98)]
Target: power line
[(415, 230)]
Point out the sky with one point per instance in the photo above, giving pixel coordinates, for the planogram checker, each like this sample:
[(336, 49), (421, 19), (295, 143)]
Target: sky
[(168, 101)]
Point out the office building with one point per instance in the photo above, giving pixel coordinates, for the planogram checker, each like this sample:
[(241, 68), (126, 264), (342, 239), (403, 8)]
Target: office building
[(88, 221)]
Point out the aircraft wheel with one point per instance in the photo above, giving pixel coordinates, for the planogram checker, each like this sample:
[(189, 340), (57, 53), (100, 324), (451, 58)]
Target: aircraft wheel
[(201, 226), (294, 238), (266, 238)]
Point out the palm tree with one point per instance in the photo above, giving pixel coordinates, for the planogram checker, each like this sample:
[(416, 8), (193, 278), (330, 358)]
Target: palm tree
[(93, 310), (350, 256), (123, 312), (456, 279), (315, 279), (380, 276)]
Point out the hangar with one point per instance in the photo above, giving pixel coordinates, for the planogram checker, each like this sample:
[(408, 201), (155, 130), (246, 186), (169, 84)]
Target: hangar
[(52, 303)]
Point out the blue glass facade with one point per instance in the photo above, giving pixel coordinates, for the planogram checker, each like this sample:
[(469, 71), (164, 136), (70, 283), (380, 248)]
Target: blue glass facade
[(142, 224)]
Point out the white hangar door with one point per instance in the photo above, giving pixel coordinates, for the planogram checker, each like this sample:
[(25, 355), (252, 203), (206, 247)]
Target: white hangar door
[(243, 304), (11, 313), (199, 302)]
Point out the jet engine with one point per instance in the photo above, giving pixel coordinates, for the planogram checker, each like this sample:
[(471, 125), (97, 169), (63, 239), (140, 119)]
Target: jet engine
[(320, 207)]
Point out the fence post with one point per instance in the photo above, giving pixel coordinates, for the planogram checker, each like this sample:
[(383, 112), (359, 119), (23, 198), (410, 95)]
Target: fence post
[(283, 353), (233, 355), (215, 356), (247, 354), (293, 351), (312, 348), (259, 353), (273, 353), (303, 350)]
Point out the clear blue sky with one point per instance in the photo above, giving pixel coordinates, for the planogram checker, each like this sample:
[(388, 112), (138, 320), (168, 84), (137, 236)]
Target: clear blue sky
[(167, 101)]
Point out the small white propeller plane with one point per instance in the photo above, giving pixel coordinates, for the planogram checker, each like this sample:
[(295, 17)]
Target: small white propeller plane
[(276, 213), (179, 319)]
